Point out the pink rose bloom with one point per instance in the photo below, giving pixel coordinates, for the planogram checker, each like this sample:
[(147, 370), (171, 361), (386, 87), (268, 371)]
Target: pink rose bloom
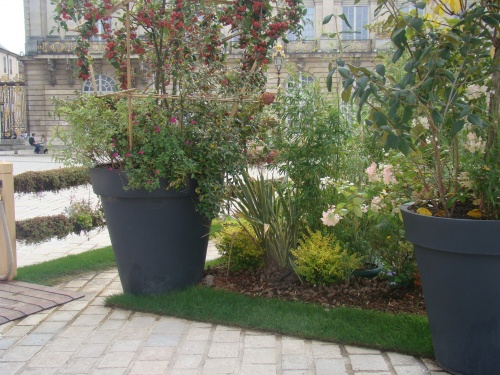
[(388, 176), (127, 155), (371, 171), (140, 152), (115, 154), (173, 119)]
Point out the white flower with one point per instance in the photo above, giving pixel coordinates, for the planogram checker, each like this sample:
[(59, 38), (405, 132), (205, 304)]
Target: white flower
[(377, 204), (474, 143), (475, 91), (464, 180), (422, 121), (330, 218)]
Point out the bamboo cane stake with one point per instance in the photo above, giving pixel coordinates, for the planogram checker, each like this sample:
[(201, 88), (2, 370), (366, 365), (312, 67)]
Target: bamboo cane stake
[(129, 77), (242, 92)]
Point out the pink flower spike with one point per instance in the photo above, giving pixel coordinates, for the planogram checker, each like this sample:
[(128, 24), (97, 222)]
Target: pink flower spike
[(173, 119), (127, 155), (157, 171), (115, 155), (192, 122), (187, 142), (140, 152)]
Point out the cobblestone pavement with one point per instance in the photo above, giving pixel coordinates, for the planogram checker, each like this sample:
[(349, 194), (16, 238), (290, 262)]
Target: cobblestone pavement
[(85, 337)]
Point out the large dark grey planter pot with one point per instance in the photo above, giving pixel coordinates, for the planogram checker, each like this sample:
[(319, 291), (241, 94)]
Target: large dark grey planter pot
[(159, 240), (459, 265)]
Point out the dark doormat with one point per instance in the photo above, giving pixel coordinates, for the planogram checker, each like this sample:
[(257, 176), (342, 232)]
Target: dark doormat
[(19, 299)]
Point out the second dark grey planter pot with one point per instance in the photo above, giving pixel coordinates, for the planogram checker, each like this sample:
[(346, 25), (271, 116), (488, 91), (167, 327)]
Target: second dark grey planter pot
[(159, 240), (459, 265)]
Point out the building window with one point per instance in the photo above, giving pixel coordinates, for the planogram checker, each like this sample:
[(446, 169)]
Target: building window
[(10, 66), (357, 16), (5, 64), (104, 83), (307, 23), (101, 29), (299, 80)]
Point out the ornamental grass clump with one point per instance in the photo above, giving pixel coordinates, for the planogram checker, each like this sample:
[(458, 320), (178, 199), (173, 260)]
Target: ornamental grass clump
[(443, 112), (197, 113)]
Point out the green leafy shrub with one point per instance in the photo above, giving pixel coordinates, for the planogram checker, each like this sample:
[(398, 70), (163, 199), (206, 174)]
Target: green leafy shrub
[(319, 259), (51, 180), (238, 246), (42, 228), (84, 217), (81, 217)]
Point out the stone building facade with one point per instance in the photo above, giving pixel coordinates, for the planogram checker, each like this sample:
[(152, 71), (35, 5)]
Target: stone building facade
[(50, 71), (12, 94)]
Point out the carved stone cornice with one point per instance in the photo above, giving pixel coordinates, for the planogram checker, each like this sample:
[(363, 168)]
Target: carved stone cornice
[(65, 47)]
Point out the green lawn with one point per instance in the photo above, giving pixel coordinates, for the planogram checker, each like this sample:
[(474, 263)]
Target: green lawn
[(403, 333)]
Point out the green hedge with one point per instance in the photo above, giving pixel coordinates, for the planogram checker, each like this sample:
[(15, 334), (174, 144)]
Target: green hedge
[(51, 180), (43, 228)]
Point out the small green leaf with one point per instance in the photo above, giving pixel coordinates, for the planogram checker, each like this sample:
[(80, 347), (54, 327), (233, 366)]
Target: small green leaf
[(327, 19), (420, 5), (392, 141), (417, 23), (344, 18), (475, 120), (346, 94), (357, 211), (380, 69), (379, 118), (358, 201), (329, 80), (457, 127), (437, 117)]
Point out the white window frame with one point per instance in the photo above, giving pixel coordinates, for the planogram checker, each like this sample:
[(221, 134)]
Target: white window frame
[(105, 84), (358, 16), (308, 23)]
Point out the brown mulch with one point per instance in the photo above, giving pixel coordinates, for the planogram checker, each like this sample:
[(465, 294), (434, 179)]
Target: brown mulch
[(364, 293)]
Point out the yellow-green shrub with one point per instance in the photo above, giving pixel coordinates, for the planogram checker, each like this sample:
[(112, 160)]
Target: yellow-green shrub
[(320, 259), (238, 246)]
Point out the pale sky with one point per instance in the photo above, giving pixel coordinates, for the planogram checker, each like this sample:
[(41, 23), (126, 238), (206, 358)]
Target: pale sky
[(12, 25)]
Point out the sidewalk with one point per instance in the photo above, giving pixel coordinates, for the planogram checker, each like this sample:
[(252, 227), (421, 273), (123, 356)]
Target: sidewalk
[(84, 337)]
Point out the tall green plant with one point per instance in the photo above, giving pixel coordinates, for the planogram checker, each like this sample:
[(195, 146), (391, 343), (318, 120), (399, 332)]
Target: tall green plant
[(309, 145), (269, 207)]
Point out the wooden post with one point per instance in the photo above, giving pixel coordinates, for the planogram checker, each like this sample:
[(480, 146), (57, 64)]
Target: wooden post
[(7, 193)]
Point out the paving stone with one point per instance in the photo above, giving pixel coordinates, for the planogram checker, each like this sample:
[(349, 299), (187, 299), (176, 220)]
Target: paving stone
[(223, 350), (259, 356), (226, 336), (20, 353), (409, 370), (260, 341), (214, 366), (292, 346), (188, 361), (47, 358), (92, 320), (116, 359), (7, 342), (79, 366), (163, 340), (356, 350), (370, 362), (403, 360), (38, 339), (253, 369), (149, 368), (61, 316), (325, 366), (196, 333), (50, 327), (10, 368), (325, 350), (156, 354), (125, 346), (193, 347), (294, 362), (91, 351)]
